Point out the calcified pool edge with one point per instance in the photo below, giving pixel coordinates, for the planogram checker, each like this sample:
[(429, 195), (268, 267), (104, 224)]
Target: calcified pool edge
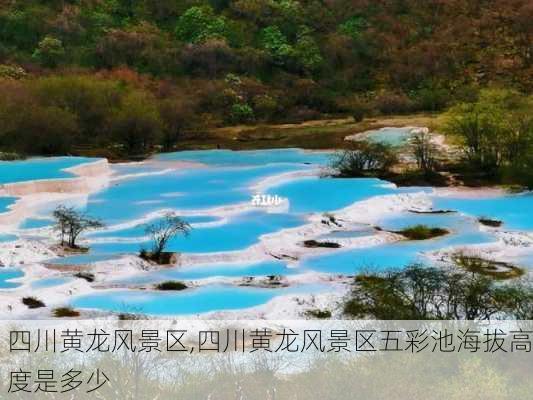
[(285, 243)]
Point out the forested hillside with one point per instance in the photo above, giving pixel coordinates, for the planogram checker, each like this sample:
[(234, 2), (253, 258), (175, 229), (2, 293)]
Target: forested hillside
[(126, 75)]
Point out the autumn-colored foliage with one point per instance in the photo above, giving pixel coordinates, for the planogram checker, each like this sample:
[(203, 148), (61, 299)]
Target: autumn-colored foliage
[(81, 73)]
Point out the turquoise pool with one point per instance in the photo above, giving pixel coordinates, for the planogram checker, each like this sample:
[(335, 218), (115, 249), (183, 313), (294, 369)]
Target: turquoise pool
[(514, 210), (208, 271), (191, 301), (39, 168), (34, 223), (202, 188), (398, 254), (227, 179), (238, 233), (6, 275), (6, 237), (395, 137), (50, 282), (314, 194), (251, 157), (6, 202)]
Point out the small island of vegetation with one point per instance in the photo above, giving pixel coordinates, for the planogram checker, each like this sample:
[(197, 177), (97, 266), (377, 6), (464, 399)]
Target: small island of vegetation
[(422, 232), (171, 286)]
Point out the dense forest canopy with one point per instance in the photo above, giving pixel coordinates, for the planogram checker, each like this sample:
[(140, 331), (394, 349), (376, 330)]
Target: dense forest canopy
[(145, 72)]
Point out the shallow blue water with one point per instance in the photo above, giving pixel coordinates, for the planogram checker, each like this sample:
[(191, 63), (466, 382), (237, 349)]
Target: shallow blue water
[(6, 237), (50, 282), (39, 168), (514, 210), (5, 202), (207, 271), (391, 136), (453, 221), (191, 301), (139, 230), (347, 234), (252, 157), (78, 259), (239, 232), (389, 256), (191, 189), (7, 274), (34, 223), (314, 194)]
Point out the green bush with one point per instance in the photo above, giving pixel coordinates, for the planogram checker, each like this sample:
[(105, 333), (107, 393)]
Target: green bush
[(241, 113), (50, 52), (422, 232)]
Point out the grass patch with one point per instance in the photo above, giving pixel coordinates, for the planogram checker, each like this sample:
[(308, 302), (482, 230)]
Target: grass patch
[(422, 232), (32, 302), (171, 285), (319, 314), (494, 269), (65, 312), (494, 223), (315, 244)]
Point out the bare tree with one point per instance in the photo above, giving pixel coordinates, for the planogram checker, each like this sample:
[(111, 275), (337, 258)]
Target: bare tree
[(424, 150), (162, 231), (71, 224)]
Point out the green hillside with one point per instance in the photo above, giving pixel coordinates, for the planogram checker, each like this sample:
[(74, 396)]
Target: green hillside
[(123, 75)]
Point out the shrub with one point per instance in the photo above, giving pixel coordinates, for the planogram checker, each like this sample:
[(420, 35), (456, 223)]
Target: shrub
[(32, 302), (394, 103), (422, 232), (490, 222), (358, 107), (241, 113), (12, 72), (50, 52), (419, 292), (363, 157), (171, 285), (11, 157), (65, 312), (319, 314), (265, 106), (432, 98)]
